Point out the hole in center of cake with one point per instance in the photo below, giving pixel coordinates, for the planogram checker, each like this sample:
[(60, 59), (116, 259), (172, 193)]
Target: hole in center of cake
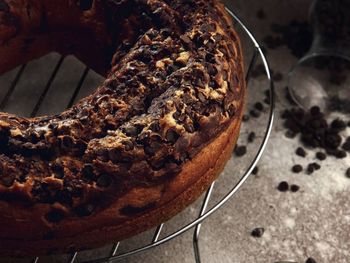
[(46, 86)]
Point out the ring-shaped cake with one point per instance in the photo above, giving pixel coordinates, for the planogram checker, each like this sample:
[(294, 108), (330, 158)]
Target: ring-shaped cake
[(143, 146)]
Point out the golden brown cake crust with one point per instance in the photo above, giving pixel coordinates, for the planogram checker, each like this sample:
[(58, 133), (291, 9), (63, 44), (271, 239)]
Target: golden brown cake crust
[(195, 178), (139, 149)]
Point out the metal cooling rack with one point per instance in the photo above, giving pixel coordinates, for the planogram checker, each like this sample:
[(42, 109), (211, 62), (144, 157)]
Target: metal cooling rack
[(203, 212)]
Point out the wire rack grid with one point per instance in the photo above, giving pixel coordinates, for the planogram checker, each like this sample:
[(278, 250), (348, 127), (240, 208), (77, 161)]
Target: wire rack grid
[(204, 213)]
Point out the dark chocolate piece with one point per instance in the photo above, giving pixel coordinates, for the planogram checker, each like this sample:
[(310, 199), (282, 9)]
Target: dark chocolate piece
[(294, 188), (240, 150), (300, 151), (283, 186), (258, 232), (297, 168)]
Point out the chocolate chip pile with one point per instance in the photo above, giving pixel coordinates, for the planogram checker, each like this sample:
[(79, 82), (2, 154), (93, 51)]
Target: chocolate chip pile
[(296, 35), (317, 133), (260, 70)]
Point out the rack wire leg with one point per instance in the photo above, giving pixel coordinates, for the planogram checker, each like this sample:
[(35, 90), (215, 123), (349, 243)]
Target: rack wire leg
[(252, 64), (197, 254), (115, 249), (197, 229)]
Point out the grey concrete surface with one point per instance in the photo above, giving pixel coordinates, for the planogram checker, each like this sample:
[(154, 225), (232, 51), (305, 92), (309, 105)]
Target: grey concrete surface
[(313, 222)]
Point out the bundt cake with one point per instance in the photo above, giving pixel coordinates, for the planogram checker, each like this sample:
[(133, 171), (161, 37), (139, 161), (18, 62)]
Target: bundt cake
[(143, 146)]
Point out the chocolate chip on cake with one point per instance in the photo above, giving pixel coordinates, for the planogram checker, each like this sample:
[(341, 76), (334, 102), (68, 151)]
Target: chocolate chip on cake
[(54, 216), (283, 186), (133, 130), (212, 70), (258, 232), (58, 170), (67, 142), (113, 154), (88, 172), (4, 7), (7, 180), (64, 196), (297, 168), (49, 235), (189, 127), (104, 180), (231, 110), (84, 210), (172, 136), (128, 145), (155, 127), (22, 178), (85, 5)]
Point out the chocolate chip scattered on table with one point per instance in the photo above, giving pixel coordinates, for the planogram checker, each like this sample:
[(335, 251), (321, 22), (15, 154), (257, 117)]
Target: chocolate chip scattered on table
[(294, 188), (240, 150), (283, 186), (297, 168), (258, 232)]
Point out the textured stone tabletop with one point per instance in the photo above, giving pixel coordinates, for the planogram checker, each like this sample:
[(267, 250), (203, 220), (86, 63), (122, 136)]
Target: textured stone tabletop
[(313, 222)]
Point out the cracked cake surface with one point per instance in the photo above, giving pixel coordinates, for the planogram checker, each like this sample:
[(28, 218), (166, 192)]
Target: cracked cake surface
[(174, 83)]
